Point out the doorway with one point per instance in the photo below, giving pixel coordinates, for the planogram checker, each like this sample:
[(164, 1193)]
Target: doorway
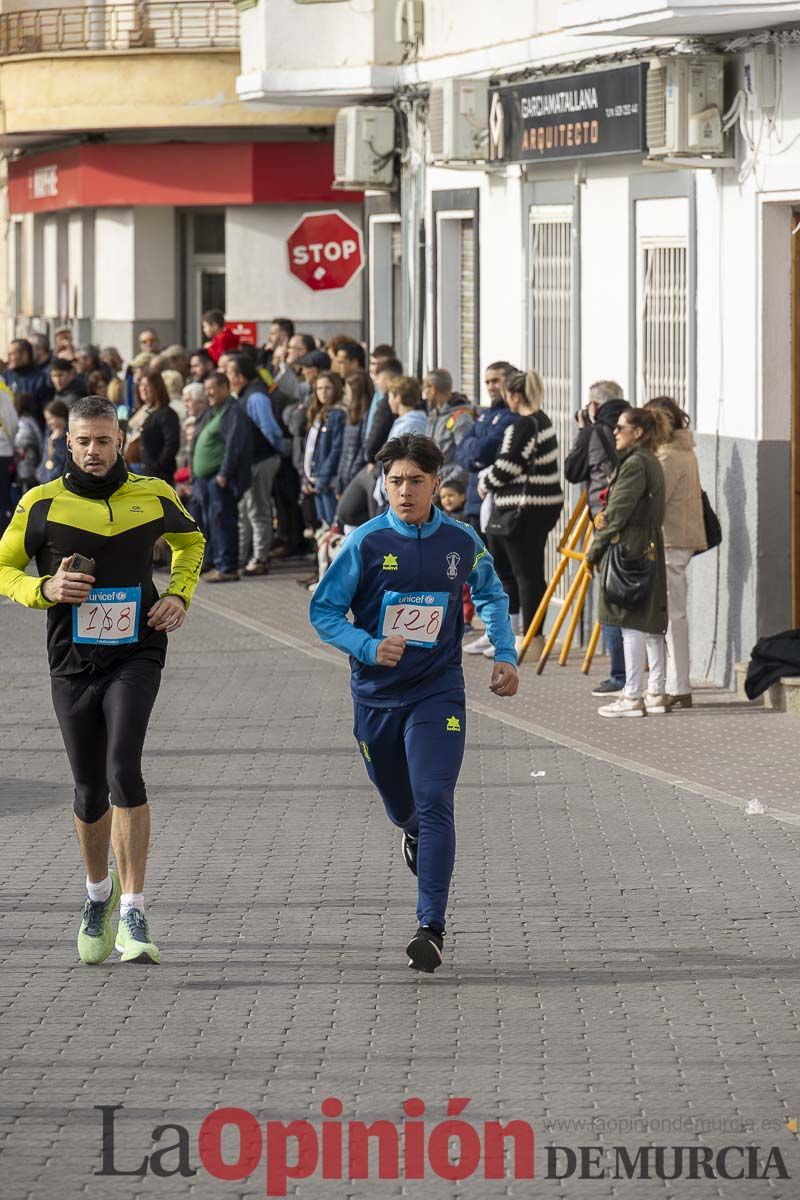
[(203, 245), (795, 430)]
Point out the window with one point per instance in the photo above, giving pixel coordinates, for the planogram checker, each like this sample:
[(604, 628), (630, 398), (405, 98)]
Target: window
[(468, 364), (662, 332), (551, 294), (16, 268), (456, 282), (662, 270), (209, 232)]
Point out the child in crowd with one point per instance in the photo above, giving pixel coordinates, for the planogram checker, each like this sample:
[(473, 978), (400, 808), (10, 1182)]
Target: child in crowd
[(452, 498), (54, 454), (219, 338), (27, 442)]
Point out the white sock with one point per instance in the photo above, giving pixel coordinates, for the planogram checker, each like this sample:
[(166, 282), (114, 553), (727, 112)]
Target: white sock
[(99, 891), (130, 900), (516, 622)]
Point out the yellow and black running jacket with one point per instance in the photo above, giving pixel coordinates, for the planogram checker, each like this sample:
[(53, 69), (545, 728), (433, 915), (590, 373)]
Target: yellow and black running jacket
[(119, 533)]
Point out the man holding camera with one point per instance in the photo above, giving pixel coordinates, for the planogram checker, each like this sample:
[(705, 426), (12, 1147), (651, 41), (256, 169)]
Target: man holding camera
[(92, 534), (591, 462)]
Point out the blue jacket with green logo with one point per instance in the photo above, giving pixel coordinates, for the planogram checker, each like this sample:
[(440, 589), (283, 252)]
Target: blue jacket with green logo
[(408, 580)]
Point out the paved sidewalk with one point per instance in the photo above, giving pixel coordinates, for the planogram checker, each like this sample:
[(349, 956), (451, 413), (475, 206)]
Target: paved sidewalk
[(724, 744), (620, 950)]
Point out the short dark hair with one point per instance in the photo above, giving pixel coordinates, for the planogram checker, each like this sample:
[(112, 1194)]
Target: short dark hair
[(218, 377), (57, 408), (102, 368), (41, 339), (354, 351), (214, 316), (390, 364), (91, 408), (62, 364), (284, 323), (384, 350), (501, 365), (92, 352), (415, 447), (243, 364), (201, 352), (307, 340), (25, 404), (455, 485), (23, 344)]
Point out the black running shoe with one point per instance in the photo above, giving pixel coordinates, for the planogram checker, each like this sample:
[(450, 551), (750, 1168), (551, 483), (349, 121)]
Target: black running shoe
[(425, 950), (410, 847)]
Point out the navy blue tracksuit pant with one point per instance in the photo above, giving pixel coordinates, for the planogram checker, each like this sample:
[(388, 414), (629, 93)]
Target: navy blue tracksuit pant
[(413, 756)]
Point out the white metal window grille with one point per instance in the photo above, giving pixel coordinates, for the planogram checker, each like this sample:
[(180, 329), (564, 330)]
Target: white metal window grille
[(456, 342), (551, 272), (663, 322), (468, 309), (396, 339)]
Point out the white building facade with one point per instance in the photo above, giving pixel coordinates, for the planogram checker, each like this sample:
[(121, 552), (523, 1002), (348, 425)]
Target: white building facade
[(566, 199)]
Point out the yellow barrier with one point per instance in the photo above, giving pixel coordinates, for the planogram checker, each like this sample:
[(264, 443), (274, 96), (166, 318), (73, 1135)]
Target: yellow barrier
[(572, 548)]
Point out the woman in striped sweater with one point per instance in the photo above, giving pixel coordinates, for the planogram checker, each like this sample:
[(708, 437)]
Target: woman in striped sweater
[(526, 486)]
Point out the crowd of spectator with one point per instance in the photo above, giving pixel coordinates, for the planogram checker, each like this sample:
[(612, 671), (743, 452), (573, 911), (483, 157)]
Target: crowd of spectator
[(274, 450)]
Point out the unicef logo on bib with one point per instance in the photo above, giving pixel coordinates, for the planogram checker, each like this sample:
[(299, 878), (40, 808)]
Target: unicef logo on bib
[(107, 617), (415, 617)]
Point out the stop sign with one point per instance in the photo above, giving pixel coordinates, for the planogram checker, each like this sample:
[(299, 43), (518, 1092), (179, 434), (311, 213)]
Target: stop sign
[(325, 250)]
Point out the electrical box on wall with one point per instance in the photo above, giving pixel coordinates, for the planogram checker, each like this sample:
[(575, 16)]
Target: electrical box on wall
[(409, 22), (364, 147), (761, 78), (684, 106), (458, 123)]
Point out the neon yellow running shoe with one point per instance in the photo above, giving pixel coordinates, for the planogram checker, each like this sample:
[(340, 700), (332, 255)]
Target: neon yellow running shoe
[(133, 939), (96, 936)]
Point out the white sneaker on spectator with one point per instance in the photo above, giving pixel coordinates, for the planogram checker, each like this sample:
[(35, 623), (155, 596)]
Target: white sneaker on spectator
[(479, 645), (623, 707), (489, 653), (656, 704)]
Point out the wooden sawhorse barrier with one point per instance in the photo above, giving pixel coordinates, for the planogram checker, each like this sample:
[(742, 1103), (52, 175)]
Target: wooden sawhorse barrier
[(572, 548)]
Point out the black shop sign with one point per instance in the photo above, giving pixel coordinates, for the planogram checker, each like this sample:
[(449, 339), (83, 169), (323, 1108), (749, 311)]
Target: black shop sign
[(575, 116)]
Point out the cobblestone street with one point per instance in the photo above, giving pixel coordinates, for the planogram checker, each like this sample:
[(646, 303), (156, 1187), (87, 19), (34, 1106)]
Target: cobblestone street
[(621, 964)]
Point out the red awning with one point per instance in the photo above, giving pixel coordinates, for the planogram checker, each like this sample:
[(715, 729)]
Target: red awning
[(189, 174)]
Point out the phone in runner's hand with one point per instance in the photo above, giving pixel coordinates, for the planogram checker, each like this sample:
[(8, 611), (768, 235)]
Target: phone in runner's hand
[(81, 564)]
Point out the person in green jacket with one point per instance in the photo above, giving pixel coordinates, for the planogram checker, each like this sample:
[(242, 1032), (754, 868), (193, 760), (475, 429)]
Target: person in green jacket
[(633, 515)]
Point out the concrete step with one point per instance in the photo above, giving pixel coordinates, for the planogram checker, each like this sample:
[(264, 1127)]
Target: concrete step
[(783, 696)]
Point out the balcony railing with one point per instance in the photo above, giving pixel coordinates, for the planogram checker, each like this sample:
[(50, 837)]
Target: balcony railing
[(181, 25)]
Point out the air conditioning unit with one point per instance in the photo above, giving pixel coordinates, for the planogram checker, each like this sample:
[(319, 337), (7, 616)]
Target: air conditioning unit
[(458, 120), (364, 147), (685, 103)]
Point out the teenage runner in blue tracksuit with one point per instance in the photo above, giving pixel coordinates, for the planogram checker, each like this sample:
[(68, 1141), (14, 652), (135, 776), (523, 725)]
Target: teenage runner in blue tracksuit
[(402, 576)]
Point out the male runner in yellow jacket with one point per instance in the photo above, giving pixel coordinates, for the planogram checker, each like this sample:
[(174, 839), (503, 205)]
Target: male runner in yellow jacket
[(92, 534)]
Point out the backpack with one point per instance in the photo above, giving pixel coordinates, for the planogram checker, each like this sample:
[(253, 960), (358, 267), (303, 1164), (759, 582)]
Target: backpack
[(576, 464)]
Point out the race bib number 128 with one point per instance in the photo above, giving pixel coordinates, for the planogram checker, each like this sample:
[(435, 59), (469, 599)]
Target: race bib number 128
[(416, 616), (108, 617)]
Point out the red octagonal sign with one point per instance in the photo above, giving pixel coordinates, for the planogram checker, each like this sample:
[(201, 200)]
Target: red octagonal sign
[(325, 250)]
